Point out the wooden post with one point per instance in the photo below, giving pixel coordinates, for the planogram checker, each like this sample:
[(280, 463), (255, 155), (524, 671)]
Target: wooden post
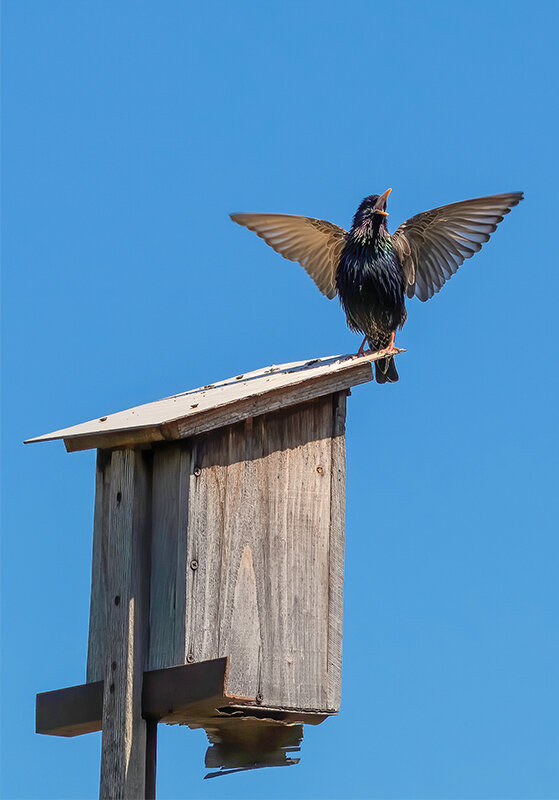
[(124, 563), (151, 758)]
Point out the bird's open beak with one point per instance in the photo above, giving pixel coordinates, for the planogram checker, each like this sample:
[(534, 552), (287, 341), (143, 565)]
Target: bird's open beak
[(383, 198)]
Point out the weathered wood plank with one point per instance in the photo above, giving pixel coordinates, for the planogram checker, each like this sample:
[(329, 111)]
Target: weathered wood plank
[(259, 530), (195, 694), (244, 636), (230, 413), (177, 694), (98, 602), (164, 544), (123, 748), (272, 401), (171, 465), (216, 395), (72, 711), (336, 552)]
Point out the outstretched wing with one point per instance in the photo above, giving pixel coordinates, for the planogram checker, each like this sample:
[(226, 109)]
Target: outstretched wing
[(432, 245), (316, 244)]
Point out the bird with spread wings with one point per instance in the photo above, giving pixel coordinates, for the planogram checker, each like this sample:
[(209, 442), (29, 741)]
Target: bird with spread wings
[(372, 271)]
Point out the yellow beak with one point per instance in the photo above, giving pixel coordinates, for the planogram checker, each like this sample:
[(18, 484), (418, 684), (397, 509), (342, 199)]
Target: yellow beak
[(385, 198)]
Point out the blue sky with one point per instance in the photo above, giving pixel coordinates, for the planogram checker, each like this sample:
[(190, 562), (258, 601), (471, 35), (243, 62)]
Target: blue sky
[(130, 131)]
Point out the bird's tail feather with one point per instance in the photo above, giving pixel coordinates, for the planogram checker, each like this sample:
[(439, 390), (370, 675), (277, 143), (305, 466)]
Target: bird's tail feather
[(385, 370)]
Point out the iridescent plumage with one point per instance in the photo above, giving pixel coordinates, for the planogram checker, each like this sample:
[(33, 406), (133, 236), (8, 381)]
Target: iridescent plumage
[(370, 282)]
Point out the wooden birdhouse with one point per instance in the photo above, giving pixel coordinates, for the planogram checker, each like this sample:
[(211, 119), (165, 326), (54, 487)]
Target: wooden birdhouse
[(218, 552)]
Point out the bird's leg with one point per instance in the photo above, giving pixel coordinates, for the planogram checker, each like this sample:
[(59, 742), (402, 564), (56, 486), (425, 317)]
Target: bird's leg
[(389, 350), (391, 346), (361, 351)]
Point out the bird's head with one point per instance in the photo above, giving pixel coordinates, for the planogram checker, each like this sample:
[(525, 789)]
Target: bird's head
[(372, 211)]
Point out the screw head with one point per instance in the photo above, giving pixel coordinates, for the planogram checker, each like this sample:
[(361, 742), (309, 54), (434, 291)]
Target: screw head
[(197, 471), (259, 697), (320, 470), (190, 658), (193, 564)]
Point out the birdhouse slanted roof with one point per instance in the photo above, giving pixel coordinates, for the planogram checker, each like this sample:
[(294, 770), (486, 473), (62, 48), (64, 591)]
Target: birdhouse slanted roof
[(218, 404)]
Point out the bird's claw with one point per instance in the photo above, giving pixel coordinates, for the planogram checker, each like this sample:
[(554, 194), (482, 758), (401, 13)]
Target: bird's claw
[(391, 350)]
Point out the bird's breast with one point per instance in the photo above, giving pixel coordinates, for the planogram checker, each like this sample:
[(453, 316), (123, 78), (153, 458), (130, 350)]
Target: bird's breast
[(370, 273), (370, 285)]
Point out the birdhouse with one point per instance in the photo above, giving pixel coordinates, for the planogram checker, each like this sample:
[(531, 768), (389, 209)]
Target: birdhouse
[(218, 552)]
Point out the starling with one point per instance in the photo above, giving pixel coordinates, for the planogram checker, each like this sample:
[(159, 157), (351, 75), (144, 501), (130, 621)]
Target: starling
[(373, 271)]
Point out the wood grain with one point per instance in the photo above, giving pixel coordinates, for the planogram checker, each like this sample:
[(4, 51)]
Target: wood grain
[(336, 552), (259, 529), (98, 601), (247, 546), (123, 748), (272, 401), (171, 467)]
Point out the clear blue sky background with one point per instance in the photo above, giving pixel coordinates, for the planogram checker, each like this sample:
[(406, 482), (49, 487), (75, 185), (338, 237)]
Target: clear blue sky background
[(130, 131)]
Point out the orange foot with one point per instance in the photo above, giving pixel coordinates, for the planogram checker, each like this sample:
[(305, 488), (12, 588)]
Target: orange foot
[(392, 349), (389, 351), (362, 351)]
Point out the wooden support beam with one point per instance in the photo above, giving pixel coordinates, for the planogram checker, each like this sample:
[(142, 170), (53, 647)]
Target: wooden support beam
[(71, 711), (126, 578), (167, 694), (192, 693), (151, 758), (175, 694)]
